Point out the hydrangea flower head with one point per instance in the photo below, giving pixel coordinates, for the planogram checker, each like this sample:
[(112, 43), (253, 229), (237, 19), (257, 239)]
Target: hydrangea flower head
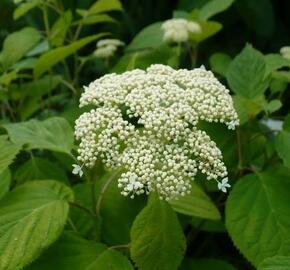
[(144, 123), (107, 47), (285, 52), (178, 30)]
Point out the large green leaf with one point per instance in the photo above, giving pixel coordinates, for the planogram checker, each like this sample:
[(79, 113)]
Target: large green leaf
[(246, 73), (197, 203), (73, 252), (214, 7), (17, 44), (5, 181), (53, 134), (49, 59), (157, 240), (275, 263), (258, 216), (148, 38), (8, 152), (31, 218), (38, 168), (206, 264)]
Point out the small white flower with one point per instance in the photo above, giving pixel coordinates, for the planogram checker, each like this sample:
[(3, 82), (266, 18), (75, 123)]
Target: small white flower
[(77, 169), (107, 47), (232, 125), (223, 185), (178, 30)]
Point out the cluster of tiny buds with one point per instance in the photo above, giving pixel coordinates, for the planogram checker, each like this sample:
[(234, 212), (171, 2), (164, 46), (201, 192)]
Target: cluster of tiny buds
[(146, 124), (106, 48), (285, 52), (178, 30)]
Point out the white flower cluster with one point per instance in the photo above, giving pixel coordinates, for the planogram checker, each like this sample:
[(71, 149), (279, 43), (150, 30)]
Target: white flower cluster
[(178, 30), (106, 48), (285, 52), (145, 123)]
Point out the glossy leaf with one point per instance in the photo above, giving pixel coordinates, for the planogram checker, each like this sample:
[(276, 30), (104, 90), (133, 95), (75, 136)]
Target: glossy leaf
[(31, 218), (157, 240)]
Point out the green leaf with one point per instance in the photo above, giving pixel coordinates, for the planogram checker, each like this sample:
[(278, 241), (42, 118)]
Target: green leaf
[(8, 152), (197, 204), (24, 8), (31, 218), (73, 252), (258, 216), (148, 38), (117, 211), (220, 62), (31, 92), (5, 181), (214, 7), (97, 18), (286, 123), (275, 62), (208, 29), (248, 107), (208, 225), (275, 263), (49, 59), (273, 106), (104, 6), (143, 59), (282, 143), (59, 29), (157, 240), (246, 73), (206, 264), (85, 222), (53, 134), (113, 260), (38, 168), (17, 44)]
